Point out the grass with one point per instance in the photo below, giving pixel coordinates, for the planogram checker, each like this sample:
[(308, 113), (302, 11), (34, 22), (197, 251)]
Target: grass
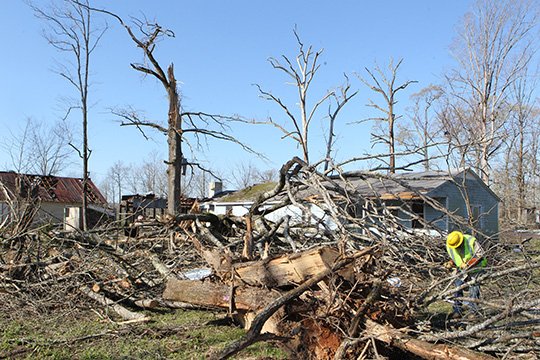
[(178, 335)]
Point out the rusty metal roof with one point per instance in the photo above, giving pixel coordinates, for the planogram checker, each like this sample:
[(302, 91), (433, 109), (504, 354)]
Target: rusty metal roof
[(51, 188)]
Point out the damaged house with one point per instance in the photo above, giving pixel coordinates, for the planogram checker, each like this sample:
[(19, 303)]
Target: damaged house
[(149, 206), (58, 199), (419, 200), (422, 199)]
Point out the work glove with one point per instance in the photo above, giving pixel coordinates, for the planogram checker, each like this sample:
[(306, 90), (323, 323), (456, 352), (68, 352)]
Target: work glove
[(449, 264)]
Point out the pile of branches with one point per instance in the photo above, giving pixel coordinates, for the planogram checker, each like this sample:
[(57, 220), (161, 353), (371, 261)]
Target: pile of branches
[(327, 283), (392, 277), (46, 270)]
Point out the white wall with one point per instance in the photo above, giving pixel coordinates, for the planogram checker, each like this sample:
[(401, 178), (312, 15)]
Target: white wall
[(73, 219), (290, 210), (48, 213), (51, 212)]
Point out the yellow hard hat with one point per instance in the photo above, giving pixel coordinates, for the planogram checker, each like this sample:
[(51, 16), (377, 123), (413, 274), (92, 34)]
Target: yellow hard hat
[(454, 239)]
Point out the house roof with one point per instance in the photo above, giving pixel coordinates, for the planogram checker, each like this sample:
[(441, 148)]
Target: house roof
[(409, 186), (52, 188), (404, 186), (249, 194)]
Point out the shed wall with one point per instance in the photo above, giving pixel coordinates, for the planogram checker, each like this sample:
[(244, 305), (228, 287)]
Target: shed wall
[(476, 193), (436, 217)]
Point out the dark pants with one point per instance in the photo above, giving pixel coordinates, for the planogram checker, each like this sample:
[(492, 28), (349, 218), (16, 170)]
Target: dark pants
[(474, 293)]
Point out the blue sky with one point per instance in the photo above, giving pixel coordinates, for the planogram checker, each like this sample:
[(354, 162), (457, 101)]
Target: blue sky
[(220, 50)]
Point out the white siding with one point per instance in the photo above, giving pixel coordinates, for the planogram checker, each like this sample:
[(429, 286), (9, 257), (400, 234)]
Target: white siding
[(293, 211)]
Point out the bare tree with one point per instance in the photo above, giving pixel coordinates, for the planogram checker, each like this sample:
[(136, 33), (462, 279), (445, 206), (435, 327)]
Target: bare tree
[(424, 129), (523, 120), (493, 46), (179, 123), (134, 180), (39, 149), (71, 31), (148, 176), (301, 71), (17, 146), (199, 180), (384, 83), (199, 184), (117, 174), (154, 175), (245, 174), (50, 148), (455, 125), (268, 175), (338, 101), (516, 186), (533, 160), (107, 188)]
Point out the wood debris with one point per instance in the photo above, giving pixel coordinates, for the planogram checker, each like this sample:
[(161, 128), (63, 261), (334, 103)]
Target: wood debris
[(342, 287)]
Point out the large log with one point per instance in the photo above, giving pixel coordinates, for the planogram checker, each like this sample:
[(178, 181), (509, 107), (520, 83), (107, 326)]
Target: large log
[(286, 270), (204, 293), (424, 349), (254, 333)]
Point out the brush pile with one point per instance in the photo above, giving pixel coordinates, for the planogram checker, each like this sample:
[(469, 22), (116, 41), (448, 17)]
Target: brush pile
[(326, 283)]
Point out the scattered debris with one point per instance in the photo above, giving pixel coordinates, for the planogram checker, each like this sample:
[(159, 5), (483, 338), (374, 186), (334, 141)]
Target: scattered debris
[(361, 289)]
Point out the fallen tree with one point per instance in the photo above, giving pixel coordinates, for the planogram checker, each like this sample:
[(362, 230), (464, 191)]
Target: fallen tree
[(325, 284), (388, 288)]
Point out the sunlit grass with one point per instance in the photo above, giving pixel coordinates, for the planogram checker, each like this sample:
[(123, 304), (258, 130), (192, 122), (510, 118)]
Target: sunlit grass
[(175, 335)]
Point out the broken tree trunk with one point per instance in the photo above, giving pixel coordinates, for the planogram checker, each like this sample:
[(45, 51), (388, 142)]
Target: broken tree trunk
[(424, 349), (217, 295), (286, 270), (254, 333)]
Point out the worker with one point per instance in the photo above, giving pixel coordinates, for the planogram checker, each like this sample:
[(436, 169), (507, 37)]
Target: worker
[(468, 256)]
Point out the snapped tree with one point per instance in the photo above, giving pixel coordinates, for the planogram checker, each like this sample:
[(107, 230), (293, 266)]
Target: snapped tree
[(148, 34)]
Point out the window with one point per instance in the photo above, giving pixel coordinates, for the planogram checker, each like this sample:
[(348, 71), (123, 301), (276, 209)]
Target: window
[(417, 209)]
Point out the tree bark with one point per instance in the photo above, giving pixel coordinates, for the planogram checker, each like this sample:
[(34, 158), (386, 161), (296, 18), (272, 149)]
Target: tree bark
[(120, 310), (424, 349), (174, 140), (217, 295)]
